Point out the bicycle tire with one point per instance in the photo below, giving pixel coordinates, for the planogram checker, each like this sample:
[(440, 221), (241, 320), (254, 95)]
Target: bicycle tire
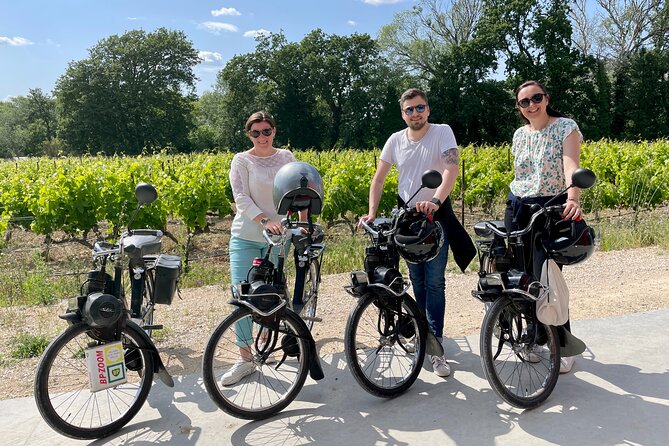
[(380, 362), (521, 372), (62, 389), (268, 388), (310, 280)]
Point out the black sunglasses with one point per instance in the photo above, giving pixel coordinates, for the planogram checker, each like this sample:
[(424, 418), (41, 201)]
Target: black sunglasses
[(256, 133), (536, 98), (420, 108)]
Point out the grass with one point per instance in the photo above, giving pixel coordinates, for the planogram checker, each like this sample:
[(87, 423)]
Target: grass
[(27, 345)]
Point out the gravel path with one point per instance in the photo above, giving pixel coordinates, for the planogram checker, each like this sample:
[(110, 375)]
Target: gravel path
[(608, 284)]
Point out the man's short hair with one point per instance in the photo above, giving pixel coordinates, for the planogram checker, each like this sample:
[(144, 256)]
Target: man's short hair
[(412, 93)]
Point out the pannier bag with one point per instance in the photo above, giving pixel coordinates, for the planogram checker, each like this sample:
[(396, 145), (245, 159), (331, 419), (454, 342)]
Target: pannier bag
[(168, 270)]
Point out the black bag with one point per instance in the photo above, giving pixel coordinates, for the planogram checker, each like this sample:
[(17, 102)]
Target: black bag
[(168, 270)]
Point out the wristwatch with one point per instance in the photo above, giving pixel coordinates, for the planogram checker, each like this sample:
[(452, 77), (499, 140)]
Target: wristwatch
[(436, 201), (264, 221)]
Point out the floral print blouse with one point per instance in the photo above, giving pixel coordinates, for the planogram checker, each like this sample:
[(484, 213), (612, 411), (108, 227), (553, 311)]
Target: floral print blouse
[(538, 159)]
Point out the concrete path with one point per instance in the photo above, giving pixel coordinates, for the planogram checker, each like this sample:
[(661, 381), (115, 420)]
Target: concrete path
[(617, 393)]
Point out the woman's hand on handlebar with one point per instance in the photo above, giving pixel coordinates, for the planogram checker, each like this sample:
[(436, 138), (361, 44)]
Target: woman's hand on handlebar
[(572, 210), (426, 207), (274, 227)]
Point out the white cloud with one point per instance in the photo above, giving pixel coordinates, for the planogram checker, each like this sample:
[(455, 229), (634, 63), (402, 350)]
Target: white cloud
[(217, 27), (209, 56), (256, 32), (352, 22), (381, 2), (15, 41), (225, 11)]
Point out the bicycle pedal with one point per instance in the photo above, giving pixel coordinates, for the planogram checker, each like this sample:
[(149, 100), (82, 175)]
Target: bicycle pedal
[(312, 319), (153, 327)]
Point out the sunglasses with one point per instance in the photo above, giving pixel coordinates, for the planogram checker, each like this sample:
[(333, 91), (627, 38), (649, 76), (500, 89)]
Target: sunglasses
[(420, 108), (536, 98), (256, 133)]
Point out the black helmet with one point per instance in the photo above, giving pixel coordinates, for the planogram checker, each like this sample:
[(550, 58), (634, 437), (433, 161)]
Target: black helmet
[(298, 186), (570, 242), (417, 238)]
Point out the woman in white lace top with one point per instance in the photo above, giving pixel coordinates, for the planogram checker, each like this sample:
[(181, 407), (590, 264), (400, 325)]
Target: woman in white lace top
[(252, 178)]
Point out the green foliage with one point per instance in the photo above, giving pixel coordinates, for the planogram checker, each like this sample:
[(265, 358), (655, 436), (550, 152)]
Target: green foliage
[(27, 345), (128, 94)]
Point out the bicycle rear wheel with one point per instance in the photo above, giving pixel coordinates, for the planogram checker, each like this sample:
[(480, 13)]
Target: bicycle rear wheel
[(274, 370), (520, 367), (148, 302), (63, 393), (385, 344), (310, 277)]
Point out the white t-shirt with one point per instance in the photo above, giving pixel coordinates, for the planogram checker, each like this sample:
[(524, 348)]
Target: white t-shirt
[(413, 158), (252, 181)]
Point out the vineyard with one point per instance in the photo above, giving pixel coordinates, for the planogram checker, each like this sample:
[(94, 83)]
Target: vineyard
[(74, 195)]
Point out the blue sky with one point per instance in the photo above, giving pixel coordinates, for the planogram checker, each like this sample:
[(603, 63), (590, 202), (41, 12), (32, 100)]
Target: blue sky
[(39, 38)]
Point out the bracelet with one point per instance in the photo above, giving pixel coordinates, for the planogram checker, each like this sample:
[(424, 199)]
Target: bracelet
[(574, 199), (436, 201)]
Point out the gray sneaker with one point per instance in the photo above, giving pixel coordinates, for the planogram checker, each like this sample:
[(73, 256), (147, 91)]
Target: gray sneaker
[(440, 366)]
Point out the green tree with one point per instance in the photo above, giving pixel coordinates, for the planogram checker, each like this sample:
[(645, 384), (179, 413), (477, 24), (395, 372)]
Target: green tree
[(134, 91)]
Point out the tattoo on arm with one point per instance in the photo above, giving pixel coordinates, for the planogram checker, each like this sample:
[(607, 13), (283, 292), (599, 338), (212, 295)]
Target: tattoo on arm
[(451, 156)]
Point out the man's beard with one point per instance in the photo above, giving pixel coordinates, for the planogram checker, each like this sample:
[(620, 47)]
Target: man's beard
[(417, 125)]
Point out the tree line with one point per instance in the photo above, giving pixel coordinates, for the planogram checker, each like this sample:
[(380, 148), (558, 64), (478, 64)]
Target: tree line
[(605, 62)]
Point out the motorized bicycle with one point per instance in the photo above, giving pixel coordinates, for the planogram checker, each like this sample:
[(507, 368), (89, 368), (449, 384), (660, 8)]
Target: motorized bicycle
[(520, 355), (387, 334), (95, 376)]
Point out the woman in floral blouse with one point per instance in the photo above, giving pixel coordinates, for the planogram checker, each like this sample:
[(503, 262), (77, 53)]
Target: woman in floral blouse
[(546, 151)]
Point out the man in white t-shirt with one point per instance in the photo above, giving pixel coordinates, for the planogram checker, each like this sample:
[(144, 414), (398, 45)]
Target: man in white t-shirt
[(420, 147)]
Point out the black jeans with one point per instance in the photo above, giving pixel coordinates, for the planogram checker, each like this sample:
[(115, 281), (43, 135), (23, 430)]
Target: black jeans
[(517, 216)]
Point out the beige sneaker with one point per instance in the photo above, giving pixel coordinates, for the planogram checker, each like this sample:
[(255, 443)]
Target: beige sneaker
[(567, 363), (239, 370), (440, 366)]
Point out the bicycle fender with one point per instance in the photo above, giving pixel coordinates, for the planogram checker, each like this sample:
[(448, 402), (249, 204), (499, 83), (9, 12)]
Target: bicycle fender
[(159, 367), (315, 369)]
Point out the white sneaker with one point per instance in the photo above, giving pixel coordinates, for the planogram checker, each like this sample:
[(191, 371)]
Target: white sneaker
[(567, 363), (533, 354), (440, 366), (239, 370), (409, 346)]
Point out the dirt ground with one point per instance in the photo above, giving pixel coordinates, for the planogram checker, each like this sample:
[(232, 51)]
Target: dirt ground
[(608, 284)]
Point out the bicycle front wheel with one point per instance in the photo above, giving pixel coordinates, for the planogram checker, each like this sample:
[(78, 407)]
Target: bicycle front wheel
[(385, 344), (520, 356), (63, 392), (310, 277), (252, 367)]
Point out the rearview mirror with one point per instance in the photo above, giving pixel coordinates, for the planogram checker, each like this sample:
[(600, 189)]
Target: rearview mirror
[(583, 178), (431, 179), (145, 193)]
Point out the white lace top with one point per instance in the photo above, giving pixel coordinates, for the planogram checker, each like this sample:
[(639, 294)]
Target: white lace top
[(252, 180)]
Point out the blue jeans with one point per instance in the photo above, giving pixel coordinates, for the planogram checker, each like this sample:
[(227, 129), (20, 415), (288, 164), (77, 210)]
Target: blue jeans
[(242, 253), (429, 286)]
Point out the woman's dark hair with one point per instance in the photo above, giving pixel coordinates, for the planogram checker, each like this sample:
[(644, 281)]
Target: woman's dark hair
[(260, 116), (549, 109)]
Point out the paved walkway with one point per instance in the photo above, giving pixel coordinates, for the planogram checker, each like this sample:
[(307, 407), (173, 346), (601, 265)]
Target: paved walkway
[(617, 393)]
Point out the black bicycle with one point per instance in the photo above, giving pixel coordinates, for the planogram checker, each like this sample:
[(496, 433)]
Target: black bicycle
[(520, 355), (257, 360), (386, 334), (95, 376)]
